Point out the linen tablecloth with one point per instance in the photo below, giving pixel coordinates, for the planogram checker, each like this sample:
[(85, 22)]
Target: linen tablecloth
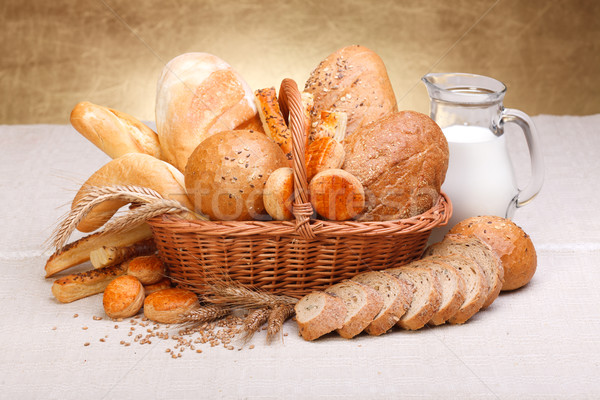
[(541, 342)]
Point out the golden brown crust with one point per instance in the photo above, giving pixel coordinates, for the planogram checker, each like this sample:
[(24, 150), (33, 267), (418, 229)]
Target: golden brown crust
[(147, 269), (109, 255), (278, 195), (168, 305), (164, 283), (78, 252), (509, 241), (323, 154), (123, 297), (330, 317), (115, 133), (401, 160), (353, 80), (77, 286), (336, 195), (330, 124), (198, 95), (272, 120), (131, 169), (226, 174)]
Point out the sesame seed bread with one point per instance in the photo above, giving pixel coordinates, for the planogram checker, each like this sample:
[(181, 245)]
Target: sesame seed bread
[(362, 302), (319, 313), (427, 295), (454, 288), (397, 295), (479, 251)]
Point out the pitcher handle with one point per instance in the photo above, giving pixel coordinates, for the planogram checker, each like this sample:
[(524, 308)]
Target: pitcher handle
[(535, 153)]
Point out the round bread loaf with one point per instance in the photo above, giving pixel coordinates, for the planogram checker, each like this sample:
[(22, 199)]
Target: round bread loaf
[(123, 297), (226, 174), (336, 195), (353, 80), (168, 305), (198, 95), (509, 241), (401, 161)]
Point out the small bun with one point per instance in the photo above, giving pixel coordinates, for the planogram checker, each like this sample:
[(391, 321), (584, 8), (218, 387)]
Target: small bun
[(509, 241), (168, 305), (279, 194), (336, 195), (165, 283), (148, 269), (123, 297)]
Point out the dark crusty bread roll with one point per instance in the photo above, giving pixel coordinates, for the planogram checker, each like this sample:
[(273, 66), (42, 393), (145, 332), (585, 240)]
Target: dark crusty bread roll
[(509, 242), (353, 80), (401, 161), (226, 174)]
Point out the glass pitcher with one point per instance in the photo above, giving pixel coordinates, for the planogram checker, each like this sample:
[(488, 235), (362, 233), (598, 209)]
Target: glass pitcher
[(480, 178)]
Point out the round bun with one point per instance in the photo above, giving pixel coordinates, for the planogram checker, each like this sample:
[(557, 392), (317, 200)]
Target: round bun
[(401, 161), (134, 169), (353, 80), (198, 95), (147, 269), (226, 174), (336, 195), (164, 283), (123, 297), (511, 244), (278, 195), (168, 305)]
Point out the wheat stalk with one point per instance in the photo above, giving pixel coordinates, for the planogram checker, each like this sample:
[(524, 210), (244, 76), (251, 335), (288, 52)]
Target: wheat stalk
[(278, 315), (203, 314), (235, 295), (253, 322)]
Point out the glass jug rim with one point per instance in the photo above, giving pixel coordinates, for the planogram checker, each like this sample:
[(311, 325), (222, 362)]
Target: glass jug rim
[(465, 88)]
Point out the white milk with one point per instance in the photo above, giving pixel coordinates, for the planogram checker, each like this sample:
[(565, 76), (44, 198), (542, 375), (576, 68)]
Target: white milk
[(480, 178)]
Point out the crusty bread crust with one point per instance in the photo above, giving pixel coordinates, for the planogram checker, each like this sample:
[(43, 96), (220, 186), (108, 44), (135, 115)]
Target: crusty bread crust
[(147, 269), (336, 195), (390, 315), (168, 305), (417, 318), (278, 195), (329, 318), (511, 244), (323, 154), (77, 286), (123, 297)]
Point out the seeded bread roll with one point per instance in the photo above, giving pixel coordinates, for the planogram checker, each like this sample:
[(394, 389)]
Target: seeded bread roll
[(198, 95), (168, 305), (396, 294), (453, 287), (509, 242), (353, 80), (362, 303), (123, 297), (427, 295), (318, 314), (401, 161), (476, 249)]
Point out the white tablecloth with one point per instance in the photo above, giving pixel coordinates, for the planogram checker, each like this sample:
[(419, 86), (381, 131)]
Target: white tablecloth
[(541, 342)]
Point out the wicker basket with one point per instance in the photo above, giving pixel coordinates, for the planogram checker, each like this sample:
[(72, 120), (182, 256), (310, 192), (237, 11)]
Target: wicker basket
[(290, 257)]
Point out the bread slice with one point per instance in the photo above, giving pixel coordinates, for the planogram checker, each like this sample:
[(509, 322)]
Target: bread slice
[(453, 287), (319, 313), (427, 295), (362, 302), (476, 287), (397, 295), (479, 251)]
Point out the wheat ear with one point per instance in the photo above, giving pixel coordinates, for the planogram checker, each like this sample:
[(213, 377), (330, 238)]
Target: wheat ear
[(203, 314), (253, 322), (278, 315), (232, 294)]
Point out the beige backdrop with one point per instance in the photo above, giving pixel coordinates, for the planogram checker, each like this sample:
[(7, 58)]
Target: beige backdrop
[(56, 53)]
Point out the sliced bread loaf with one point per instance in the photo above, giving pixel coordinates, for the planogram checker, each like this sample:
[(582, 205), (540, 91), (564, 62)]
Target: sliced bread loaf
[(479, 251), (319, 313), (362, 302), (453, 287), (397, 296), (427, 295)]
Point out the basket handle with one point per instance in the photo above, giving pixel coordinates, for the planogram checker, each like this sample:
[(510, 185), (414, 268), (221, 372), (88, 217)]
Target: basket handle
[(290, 103)]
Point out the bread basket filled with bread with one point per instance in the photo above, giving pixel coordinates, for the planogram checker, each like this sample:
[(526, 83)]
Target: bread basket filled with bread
[(287, 192)]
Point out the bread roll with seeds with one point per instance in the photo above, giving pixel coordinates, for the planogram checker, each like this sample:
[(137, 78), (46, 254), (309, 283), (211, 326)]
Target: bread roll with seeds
[(353, 80), (319, 313), (123, 297), (272, 119), (169, 305)]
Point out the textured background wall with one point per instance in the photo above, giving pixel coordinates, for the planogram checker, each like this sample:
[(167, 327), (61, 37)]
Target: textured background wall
[(111, 52)]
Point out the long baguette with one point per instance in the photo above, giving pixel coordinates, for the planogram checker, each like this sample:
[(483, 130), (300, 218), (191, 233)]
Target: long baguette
[(78, 252)]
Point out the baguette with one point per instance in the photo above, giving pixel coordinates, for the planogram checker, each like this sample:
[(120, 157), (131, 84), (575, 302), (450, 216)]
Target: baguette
[(109, 255), (77, 286), (114, 132), (79, 251), (319, 313)]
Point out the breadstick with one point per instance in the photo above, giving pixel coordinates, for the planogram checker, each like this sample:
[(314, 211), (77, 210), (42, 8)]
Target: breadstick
[(109, 255), (272, 119), (78, 252), (77, 286)]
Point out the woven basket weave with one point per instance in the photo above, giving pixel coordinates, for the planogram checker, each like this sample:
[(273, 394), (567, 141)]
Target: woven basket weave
[(290, 257)]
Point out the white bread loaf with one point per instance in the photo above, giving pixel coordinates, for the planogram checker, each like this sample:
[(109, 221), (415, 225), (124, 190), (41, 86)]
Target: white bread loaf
[(319, 313), (198, 95)]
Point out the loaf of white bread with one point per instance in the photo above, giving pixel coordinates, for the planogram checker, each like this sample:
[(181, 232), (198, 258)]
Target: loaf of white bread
[(445, 286)]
